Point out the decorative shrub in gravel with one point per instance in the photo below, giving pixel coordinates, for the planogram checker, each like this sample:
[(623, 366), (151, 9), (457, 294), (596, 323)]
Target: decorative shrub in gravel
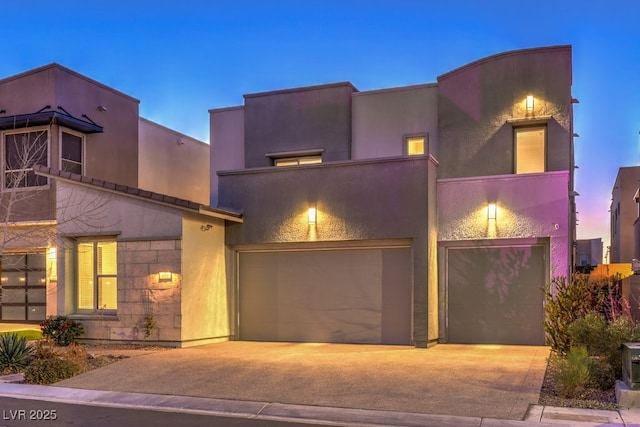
[(61, 329)]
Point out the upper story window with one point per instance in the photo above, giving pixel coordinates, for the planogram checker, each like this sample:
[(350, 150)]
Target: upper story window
[(296, 158), (295, 161), (71, 152), (415, 145), (21, 151), (530, 149)]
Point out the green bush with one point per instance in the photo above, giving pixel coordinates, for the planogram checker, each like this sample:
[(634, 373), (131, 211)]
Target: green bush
[(604, 339), (15, 353), (566, 301), (573, 373), (61, 329), (602, 375)]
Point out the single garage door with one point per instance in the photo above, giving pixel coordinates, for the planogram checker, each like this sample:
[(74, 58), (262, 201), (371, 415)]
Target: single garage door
[(338, 295), (495, 295)]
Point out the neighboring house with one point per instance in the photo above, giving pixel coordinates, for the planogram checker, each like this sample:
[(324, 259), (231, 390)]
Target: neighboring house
[(588, 252), (413, 215), (624, 212), (52, 117)]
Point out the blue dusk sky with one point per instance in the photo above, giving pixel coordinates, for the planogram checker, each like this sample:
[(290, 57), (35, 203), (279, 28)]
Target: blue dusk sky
[(182, 58)]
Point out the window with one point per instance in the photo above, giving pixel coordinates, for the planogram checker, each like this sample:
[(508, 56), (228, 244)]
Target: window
[(97, 275), (295, 161), (71, 152), (530, 150), (22, 150), (415, 145)]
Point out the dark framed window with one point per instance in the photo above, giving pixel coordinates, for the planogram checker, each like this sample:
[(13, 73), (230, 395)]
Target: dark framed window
[(22, 150), (71, 152)]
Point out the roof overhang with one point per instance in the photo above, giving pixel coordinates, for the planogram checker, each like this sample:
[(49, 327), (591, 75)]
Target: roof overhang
[(48, 117)]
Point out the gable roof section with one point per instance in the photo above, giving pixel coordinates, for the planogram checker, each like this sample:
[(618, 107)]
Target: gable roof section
[(138, 193)]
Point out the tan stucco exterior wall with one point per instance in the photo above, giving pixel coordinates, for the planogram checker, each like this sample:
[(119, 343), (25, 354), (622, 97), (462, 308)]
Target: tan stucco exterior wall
[(206, 310), (172, 163)]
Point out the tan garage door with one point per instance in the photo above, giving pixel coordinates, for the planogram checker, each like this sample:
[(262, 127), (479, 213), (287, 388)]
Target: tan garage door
[(495, 295), (341, 295)]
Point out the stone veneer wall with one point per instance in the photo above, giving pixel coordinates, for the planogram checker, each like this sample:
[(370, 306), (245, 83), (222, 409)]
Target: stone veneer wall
[(140, 293)]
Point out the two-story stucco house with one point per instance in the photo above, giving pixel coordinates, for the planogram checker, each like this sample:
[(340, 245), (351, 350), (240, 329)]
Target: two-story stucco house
[(412, 215)]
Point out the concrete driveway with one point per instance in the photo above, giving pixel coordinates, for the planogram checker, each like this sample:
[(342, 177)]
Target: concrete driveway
[(466, 380)]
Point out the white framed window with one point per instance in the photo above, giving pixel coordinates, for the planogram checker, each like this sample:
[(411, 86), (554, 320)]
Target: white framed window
[(21, 150), (72, 151), (415, 145), (530, 149), (97, 275)]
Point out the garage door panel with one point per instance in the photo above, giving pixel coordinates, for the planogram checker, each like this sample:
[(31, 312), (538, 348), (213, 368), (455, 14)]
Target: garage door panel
[(326, 295), (494, 295)]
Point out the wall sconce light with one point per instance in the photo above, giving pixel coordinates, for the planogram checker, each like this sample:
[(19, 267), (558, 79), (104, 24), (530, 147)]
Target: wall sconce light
[(491, 211), (529, 102), (53, 253), (206, 227), (102, 108), (312, 216), (165, 276)]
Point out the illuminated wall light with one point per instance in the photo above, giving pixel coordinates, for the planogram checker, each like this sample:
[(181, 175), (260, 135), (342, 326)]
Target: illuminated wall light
[(312, 216), (53, 253), (529, 102), (491, 211), (165, 276)]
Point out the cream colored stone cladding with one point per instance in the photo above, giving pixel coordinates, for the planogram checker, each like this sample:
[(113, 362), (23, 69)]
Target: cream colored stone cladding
[(142, 294)]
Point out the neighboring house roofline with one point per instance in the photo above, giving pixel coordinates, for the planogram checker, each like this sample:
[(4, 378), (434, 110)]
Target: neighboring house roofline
[(500, 55), (173, 131), (55, 65), (301, 89), (223, 109), (150, 196), (396, 89)]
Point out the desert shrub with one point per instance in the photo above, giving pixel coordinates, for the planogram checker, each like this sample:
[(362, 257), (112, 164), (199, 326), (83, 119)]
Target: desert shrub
[(49, 371), (602, 375), (61, 329), (574, 372), (603, 339), (590, 331), (566, 301), (15, 353), (50, 365)]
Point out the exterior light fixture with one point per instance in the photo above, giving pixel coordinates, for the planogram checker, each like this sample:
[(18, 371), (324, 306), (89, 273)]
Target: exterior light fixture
[(529, 102), (52, 253), (312, 216), (491, 211), (164, 276)]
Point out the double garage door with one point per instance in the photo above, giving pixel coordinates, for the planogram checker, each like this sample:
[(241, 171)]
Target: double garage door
[(339, 295), (495, 294)]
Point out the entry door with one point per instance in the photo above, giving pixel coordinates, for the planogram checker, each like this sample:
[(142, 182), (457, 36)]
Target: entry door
[(23, 293), (495, 295)]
